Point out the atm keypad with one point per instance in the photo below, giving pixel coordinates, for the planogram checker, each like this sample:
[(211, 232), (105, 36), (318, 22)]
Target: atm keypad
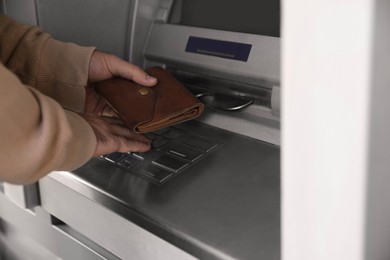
[(173, 151)]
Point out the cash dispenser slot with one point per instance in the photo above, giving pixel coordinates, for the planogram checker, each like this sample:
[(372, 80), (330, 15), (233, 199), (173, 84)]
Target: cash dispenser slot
[(224, 94)]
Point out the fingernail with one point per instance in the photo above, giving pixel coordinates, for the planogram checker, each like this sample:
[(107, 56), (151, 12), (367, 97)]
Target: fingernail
[(150, 78)]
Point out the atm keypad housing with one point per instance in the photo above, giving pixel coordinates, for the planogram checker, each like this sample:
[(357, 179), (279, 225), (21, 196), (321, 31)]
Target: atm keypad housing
[(173, 151)]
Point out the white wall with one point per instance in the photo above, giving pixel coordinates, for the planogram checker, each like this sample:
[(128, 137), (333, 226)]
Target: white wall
[(335, 126)]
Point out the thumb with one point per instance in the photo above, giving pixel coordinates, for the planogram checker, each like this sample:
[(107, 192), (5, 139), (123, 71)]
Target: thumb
[(122, 68)]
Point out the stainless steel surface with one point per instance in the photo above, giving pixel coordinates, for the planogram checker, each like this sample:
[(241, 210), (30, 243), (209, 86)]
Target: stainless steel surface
[(104, 24), (102, 225), (254, 121), (226, 206), (118, 27), (167, 44), (275, 100), (21, 10), (14, 245), (144, 16), (164, 10), (59, 242), (26, 196)]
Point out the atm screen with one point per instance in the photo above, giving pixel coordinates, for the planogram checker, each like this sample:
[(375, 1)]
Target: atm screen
[(260, 17)]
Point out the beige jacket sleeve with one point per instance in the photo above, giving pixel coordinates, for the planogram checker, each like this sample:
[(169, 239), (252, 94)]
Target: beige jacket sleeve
[(36, 134)]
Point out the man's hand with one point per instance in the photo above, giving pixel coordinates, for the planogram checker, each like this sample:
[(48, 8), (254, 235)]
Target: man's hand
[(105, 66), (113, 136), (95, 104)]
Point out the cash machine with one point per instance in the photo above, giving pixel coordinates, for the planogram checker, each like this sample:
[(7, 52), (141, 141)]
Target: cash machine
[(209, 188)]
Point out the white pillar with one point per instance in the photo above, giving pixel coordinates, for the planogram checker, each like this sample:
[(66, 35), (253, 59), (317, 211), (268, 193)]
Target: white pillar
[(377, 239), (335, 129)]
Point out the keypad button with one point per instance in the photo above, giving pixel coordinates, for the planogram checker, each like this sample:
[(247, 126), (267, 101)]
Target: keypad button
[(173, 134), (200, 143), (159, 142), (158, 174), (161, 131), (139, 155), (185, 152), (170, 163), (151, 136), (128, 161), (115, 157)]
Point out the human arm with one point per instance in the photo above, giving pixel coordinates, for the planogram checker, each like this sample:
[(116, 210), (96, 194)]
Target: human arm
[(37, 134)]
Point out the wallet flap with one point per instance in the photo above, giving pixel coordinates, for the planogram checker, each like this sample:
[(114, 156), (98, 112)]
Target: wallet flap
[(171, 96), (172, 119)]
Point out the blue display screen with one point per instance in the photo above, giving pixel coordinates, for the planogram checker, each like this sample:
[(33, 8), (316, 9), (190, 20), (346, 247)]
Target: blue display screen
[(223, 49)]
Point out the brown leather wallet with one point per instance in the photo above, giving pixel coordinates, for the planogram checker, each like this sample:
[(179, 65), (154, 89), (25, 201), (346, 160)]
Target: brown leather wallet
[(147, 109)]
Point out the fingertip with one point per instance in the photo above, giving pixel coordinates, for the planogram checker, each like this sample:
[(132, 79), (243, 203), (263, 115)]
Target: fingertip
[(143, 78), (144, 147), (151, 81), (141, 143)]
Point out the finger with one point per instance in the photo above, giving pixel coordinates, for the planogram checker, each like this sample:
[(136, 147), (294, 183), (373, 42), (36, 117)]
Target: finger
[(121, 142), (140, 138), (135, 137), (113, 120), (119, 67), (131, 145), (120, 130), (113, 136)]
